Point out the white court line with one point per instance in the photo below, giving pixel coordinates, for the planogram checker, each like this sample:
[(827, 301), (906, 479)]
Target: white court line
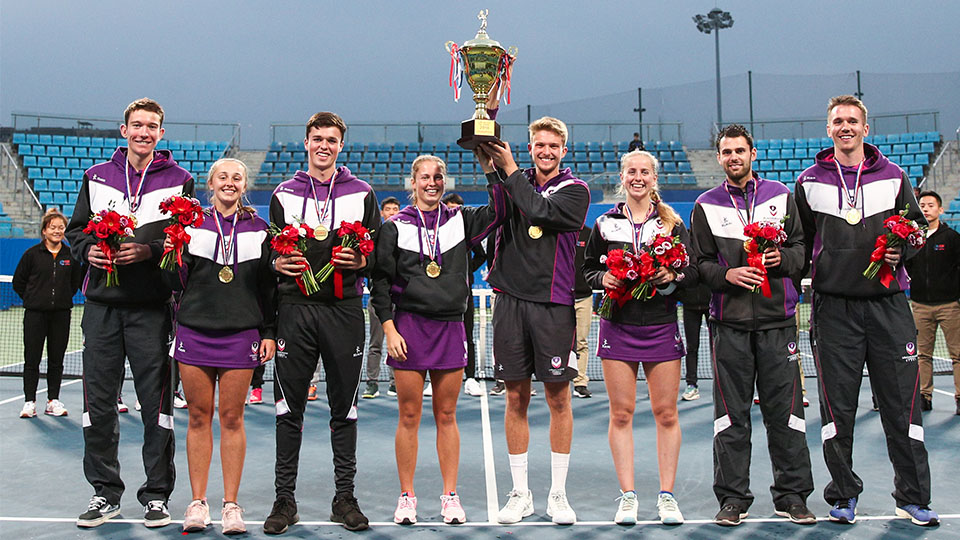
[(944, 392), (39, 390), (489, 472), (473, 523)]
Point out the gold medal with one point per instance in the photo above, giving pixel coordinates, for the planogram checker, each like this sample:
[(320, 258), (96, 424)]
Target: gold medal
[(225, 274), (321, 232), (433, 270), (853, 216), (535, 232)]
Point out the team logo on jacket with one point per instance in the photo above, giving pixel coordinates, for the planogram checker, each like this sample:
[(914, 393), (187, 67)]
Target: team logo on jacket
[(773, 210), (605, 345), (911, 355), (556, 362), (255, 345), (64, 262), (792, 352), (281, 348), (677, 341), (254, 351)]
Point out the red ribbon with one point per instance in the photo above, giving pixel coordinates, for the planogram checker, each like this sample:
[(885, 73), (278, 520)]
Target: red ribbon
[(885, 275), (756, 261), (337, 274), (454, 62), (179, 238)]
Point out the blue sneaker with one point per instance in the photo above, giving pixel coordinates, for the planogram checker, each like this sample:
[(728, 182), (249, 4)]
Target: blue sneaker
[(844, 511), (919, 514)]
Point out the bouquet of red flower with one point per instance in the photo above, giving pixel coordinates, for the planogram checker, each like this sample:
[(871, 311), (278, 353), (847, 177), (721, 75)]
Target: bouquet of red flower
[(760, 237), (637, 270), (184, 212), (294, 238), (112, 229), (352, 235), (900, 230)]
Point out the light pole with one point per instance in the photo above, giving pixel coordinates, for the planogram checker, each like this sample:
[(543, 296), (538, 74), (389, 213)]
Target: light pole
[(640, 110), (713, 22)]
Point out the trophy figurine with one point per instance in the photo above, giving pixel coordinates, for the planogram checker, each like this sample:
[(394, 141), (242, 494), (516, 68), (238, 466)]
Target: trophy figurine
[(484, 62)]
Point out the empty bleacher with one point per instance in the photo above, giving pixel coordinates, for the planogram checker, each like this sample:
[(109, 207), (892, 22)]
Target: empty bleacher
[(55, 163), (388, 164), (784, 159)]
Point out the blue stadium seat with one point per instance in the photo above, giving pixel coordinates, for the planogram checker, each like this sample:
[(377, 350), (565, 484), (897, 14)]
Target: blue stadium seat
[(779, 164), (787, 176), (612, 168), (669, 167), (665, 155), (266, 167), (596, 167), (580, 146), (675, 145), (762, 144), (926, 147), (30, 161), (53, 150), (71, 141), (773, 153), (80, 152), (68, 208), (83, 141), (394, 168), (69, 186), (921, 159), (658, 146), (49, 173), (453, 168), (684, 167), (275, 146), (761, 153), (786, 153), (99, 153), (775, 143), (58, 140), (366, 168), (794, 165), (76, 174), (45, 197), (787, 143), (885, 149), (899, 149), (270, 157), (680, 155), (893, 138), (408, 157), (913, 148), (932, 137), (25, 150), (60, 198), (689, 180), (72, 163), (66, 151), (54, 185), (86, 163), (19, 137), (609, 155), (594, 157), (800, 153), (915, 171), (177, 154), (191, 155), (826, 142), (112, 143), (299, 156), (58, 162), (879, 139), (205, 155), (46, 140), (765, 165), (379, 168), (280, 167), (43, 161), (283, 156), (582, 169), (672, 179), (906, 159)]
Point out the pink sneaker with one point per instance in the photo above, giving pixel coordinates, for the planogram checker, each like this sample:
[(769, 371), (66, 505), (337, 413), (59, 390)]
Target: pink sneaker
[(197, 516), (256, 396), (450, 509), (232, 519), (406, 512)]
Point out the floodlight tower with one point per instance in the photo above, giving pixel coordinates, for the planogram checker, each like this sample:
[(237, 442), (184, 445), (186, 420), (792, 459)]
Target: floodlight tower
[(713, 22)]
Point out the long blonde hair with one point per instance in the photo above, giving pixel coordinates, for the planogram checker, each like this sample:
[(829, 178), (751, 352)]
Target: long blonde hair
[(665, 212)]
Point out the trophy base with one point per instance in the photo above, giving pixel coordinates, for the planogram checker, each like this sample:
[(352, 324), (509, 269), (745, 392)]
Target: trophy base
[(474, 131)]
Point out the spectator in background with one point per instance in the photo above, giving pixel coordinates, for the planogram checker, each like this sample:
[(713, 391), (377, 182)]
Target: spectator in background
[(935, 295), (478, 256), (583, 306), (843, 200), (696, 308), (636, 143), (46, 279), (388, 208)]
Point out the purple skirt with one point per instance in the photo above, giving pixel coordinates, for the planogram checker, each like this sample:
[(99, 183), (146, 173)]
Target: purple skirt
[(222, 349), (431, 344), (631, 343)]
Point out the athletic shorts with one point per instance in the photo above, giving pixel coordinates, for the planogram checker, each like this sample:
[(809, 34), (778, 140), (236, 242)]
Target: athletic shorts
[(533, 338)]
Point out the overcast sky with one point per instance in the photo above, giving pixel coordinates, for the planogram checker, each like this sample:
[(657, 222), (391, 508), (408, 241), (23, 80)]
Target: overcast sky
[(280, 61)]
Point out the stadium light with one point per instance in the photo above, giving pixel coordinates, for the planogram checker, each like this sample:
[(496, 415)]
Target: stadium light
[(713, 22)]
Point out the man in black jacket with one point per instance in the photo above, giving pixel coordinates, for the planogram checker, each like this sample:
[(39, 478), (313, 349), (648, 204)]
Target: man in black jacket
[(935, 295)]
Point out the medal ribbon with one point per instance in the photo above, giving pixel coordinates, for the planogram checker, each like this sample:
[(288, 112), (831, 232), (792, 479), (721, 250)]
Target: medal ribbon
[(434, 245), (842, 188), (228, 247), (637, 236), (456, 71), (749, 209), (326, 202), (504, 70), (134, 200)]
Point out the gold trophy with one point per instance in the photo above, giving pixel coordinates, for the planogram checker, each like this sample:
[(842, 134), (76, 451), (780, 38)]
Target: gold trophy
[(483, 62)]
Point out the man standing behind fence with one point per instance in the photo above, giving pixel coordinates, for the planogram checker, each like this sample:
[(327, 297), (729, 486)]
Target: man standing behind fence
[(534, 325), (843, 200), (753, 334), (130, 320)]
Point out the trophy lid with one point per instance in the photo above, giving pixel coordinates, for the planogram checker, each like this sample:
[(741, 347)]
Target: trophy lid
[(482, 39)]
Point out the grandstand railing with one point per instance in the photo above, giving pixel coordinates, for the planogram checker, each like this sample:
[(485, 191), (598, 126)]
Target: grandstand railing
[(219, 131), (904, 122), (511, 131), (20, 192), (948, 158)]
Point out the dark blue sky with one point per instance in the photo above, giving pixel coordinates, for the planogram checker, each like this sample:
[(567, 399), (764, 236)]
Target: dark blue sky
[(257, 62)]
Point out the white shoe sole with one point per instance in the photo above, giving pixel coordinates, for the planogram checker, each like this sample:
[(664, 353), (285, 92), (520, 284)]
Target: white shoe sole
[(527, 512), (629, 520), (906, 515), (690, 398), (90, 523), (155, 523)]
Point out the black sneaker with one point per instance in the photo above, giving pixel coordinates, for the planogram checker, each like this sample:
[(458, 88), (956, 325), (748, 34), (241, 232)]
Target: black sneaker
[(798, 513), (346, 510), (730, 515), (498, 389), (926, 403), (371, 391), (283, 514), (581, 392), (98, 511), (155, 514), (392, 389)]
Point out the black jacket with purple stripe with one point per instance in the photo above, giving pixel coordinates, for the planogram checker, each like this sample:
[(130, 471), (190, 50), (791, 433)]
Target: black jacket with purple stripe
[(539, 269), (840, 252), (717, 232), (399, 277), (103, 187)]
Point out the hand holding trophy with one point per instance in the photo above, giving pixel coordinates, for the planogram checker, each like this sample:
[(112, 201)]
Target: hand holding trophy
[(487, 66)]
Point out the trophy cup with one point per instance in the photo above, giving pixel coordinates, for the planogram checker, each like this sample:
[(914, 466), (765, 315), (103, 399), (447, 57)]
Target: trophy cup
[(483, 61)]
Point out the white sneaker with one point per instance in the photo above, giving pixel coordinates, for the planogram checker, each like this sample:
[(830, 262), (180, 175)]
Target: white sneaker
[(136, 405), (451, 510), (428, 390), (55, 408), (472, 387), (669, 510), (178, 402), (519, 505), (121, 406), (406, 512), (559, 509), (29, 409), (627, 510), (691, 393)]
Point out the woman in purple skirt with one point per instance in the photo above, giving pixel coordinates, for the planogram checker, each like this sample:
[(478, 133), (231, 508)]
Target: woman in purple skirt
[(640, 332), (226, 321), (420, 292)]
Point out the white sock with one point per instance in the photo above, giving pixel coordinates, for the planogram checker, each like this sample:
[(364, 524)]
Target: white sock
[(559, 463), (518, 471)]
